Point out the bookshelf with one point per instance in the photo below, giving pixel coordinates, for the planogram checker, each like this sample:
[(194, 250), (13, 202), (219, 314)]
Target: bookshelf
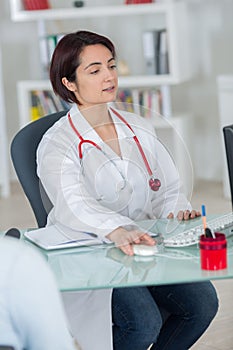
[(4, 173), (125, 25), (169, 14), (26, 87)]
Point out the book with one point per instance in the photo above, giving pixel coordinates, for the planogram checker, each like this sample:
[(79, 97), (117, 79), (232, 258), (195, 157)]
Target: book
[(53, 237), (149, 42), (47, 45), (166, 102), (143, 102), (156, 102), (162, 52), (155, 50), (125, 100), (55, 101), (37, 110), (130, 2), (30, 5)]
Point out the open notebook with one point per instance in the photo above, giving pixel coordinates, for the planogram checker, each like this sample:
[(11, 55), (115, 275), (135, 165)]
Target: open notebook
[(56, 237), (52, 237)]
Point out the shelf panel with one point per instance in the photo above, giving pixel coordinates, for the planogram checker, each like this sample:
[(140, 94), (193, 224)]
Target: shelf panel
[(147, 80), (88, 12), (136, 81)]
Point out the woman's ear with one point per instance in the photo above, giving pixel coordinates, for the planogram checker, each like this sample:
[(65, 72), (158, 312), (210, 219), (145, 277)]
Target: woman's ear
[(69, 85)]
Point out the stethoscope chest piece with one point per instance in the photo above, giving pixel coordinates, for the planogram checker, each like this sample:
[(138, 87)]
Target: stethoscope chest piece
[(154, 184)]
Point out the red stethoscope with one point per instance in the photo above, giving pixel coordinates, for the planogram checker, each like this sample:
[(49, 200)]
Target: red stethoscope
[(154, 183)]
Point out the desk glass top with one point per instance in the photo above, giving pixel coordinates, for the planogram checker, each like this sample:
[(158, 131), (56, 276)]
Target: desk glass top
[(104, 266)]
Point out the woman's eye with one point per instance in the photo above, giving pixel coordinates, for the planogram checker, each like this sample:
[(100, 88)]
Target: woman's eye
[(113, 66), (95, 71)]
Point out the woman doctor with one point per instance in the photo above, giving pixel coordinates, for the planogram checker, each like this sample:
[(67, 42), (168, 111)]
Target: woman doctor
[(103, 170)]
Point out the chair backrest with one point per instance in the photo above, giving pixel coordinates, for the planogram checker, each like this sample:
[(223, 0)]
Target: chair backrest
[(228, 140), (23, 154)]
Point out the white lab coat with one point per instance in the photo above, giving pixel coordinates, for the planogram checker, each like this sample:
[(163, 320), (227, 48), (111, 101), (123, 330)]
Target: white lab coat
[(103, 191)]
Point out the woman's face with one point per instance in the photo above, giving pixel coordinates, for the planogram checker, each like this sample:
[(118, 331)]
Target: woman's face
[(96, 77)]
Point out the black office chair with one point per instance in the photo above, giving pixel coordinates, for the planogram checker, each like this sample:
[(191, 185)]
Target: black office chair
[(23, 154), (228, 140)]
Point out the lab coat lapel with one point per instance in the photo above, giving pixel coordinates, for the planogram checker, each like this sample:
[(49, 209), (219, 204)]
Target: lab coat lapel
[(83, 127), (129, 149), (125, 136)]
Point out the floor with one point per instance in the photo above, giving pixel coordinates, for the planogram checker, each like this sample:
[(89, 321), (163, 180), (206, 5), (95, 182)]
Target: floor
[(16, 212)]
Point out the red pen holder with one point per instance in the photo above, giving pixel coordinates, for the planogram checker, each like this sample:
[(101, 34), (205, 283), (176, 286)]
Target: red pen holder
[(213, 252)]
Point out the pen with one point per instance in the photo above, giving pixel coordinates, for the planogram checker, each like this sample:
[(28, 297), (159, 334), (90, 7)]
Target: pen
[(73, 241), (203, 213), (207, 231)]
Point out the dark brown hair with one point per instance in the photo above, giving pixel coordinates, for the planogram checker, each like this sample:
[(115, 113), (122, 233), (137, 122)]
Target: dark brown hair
[(66, 59)]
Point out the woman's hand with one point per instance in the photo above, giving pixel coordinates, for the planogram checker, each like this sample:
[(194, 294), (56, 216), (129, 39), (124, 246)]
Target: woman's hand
[(185, 215), (124, 239)]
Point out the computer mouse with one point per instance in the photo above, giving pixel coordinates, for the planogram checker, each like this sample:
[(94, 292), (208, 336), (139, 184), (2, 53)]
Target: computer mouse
[(145, 250)]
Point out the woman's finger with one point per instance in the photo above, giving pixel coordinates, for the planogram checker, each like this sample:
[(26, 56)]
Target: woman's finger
[(186, 215), (180, 215), (127, 249), (147, 239), (170, 216)]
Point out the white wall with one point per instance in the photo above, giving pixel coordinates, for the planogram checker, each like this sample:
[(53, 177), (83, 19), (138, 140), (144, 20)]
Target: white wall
[(212, 54), (20, 61), (212, 51)]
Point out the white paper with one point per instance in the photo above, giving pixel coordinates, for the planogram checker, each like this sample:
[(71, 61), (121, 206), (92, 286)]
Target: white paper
[(53, 237)]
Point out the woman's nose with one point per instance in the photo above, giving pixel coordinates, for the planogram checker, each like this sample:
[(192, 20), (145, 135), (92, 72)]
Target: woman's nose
[(109, 74)]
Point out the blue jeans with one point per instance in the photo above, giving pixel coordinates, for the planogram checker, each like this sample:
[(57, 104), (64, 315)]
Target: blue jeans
[(138, 321)]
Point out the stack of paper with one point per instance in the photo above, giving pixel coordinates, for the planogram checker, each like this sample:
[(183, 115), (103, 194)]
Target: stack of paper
[(52, 237)]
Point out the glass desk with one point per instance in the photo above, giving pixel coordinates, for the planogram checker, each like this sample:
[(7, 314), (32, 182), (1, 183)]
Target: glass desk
[(104, 266)]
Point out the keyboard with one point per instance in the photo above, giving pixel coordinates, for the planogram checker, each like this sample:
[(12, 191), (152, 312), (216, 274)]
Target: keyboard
[(186, 233), (191, 236)]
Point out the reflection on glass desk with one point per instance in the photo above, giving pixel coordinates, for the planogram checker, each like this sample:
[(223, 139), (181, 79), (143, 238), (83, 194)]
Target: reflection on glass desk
[(104, 266)]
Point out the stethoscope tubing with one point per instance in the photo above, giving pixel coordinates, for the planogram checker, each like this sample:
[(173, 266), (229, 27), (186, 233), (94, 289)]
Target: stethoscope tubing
[(136, 141), (82, 140), (153, 182)]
